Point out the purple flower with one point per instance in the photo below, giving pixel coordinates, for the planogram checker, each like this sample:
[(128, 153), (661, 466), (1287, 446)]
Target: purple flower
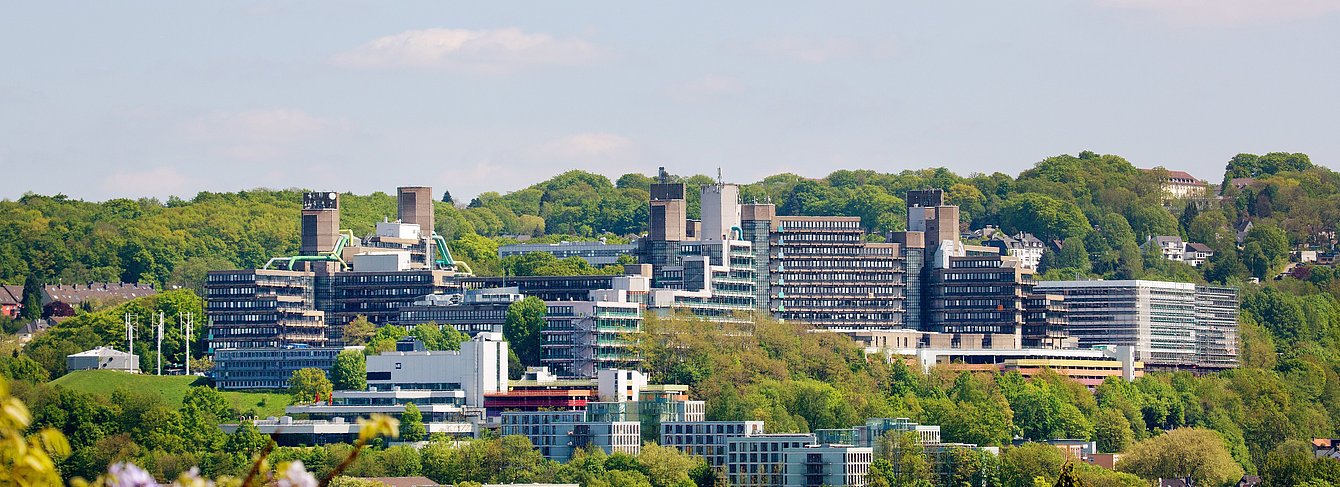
[(126, 474), (295, 475)]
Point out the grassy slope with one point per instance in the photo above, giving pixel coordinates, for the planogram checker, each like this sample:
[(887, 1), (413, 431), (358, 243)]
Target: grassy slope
[(171, 387)]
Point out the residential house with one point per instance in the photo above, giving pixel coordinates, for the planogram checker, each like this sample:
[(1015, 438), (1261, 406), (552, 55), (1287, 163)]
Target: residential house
[(1027, 248), (1326, 448), (11, 301), (102, 293), (1172, 247), (1197, 253)]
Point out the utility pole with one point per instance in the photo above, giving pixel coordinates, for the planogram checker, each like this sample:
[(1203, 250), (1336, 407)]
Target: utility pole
[(130, 331), (160, 343), (187, 332)]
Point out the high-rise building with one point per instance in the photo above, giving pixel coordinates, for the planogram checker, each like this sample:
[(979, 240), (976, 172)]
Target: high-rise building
[(1170, 324), (257, 308), (1216, 327), (581, 337), (824, 273)]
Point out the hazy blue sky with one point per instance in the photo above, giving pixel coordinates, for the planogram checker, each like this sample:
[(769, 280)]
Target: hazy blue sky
[(108, 99)]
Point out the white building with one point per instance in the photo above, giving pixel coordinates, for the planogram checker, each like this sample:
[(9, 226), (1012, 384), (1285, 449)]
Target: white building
[(760, 460), (1023, 246), (1170, 324), (103, 358), (706, 439), (827, 465), (480, 367), (1197, 254), (1171, 247), (720, 205), (558, 434)]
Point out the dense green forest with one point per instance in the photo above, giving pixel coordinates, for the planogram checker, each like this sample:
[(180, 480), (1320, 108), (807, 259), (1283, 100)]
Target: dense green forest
[(1101, 206)]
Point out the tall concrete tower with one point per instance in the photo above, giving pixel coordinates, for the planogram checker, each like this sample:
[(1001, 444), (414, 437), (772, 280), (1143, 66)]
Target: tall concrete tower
[(669, 210), (320, 222), (415, 205), (720, 210)]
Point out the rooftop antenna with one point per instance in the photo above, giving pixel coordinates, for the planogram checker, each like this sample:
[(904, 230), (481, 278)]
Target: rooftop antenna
[(720, 182), (664, 177)]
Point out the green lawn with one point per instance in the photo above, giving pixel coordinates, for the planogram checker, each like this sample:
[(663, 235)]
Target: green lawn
[(171, 387)]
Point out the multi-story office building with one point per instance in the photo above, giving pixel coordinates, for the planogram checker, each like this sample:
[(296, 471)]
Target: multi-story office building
[(308, 298), (760, 460), (875, 428), (824, 273), (1045, 322), (980, 293), (581, 337), (471, 312), (442, 412), (970, 289), (267, 367), (378, 296), (1170, 324), (547, 288), (594, 253), (479, 368), (259, 308), (541, 390), (756, 228), (1216, 327), (557, 434), (827, 466), (706, 439)]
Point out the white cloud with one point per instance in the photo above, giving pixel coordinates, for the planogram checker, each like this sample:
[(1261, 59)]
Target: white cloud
[(157, 181), (600, 145), (706, 87), (260, 134), (1225, 13), (487, 51), (823, 50)]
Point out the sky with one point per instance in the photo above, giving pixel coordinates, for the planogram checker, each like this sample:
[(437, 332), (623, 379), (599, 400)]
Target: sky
[(102, 100)]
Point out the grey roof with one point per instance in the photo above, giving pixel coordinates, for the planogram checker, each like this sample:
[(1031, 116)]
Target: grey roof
[(1020, 240), (10, 294), (1199, 247), (78, 293), (1166, 239), (101, 352)]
